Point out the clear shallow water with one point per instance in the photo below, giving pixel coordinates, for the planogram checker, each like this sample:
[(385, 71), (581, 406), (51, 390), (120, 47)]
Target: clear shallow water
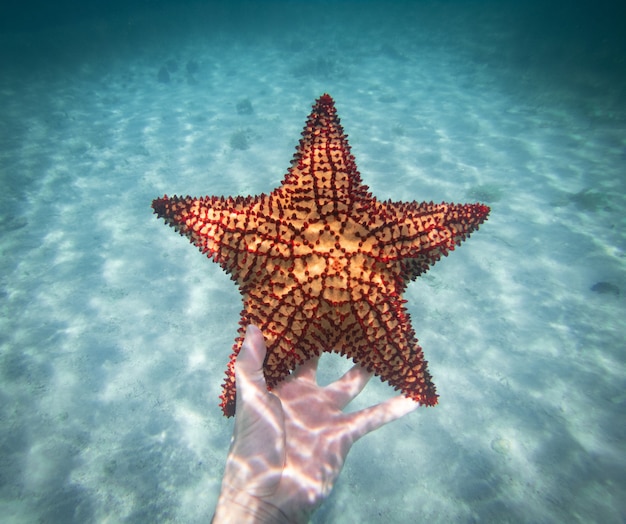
[(115, 332)]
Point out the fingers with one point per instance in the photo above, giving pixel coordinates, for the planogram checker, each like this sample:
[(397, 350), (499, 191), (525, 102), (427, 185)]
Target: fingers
[(349, 386), (307, 370), (367, 420)]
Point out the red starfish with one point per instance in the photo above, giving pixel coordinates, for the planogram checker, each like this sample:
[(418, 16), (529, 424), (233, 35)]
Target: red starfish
[(321, 264)]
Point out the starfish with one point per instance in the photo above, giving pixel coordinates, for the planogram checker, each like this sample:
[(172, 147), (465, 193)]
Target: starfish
[(321, 264)]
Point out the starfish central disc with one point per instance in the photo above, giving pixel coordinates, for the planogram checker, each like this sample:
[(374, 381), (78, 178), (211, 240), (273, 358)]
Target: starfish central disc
[(322, 264)]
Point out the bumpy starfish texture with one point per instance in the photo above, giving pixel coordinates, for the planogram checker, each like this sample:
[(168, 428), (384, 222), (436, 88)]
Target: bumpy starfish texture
[(322, 264)]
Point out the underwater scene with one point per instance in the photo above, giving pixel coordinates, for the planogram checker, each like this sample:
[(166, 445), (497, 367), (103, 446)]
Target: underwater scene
[(116, 332)]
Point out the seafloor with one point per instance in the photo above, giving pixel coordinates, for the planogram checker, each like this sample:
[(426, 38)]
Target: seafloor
[(115, 332)]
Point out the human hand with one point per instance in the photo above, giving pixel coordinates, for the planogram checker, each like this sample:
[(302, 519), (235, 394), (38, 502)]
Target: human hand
[(289, 445)]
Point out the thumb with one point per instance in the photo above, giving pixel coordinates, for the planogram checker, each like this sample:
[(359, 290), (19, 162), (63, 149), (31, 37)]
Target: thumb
[(257, 450), (249, 375), (250, 359)]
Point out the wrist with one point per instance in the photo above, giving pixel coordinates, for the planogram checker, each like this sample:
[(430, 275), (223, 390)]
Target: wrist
[(238, 507)]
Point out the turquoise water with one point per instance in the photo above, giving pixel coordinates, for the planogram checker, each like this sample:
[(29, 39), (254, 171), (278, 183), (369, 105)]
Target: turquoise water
[(115, 332)]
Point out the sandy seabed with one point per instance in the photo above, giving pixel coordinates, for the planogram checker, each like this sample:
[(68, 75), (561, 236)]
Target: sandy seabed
[(115, 332)]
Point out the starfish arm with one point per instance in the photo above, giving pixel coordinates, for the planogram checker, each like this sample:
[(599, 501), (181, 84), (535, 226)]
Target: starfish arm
[(419, 234), (243, 235), (323, 179), (386, 345), (286, 317)]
